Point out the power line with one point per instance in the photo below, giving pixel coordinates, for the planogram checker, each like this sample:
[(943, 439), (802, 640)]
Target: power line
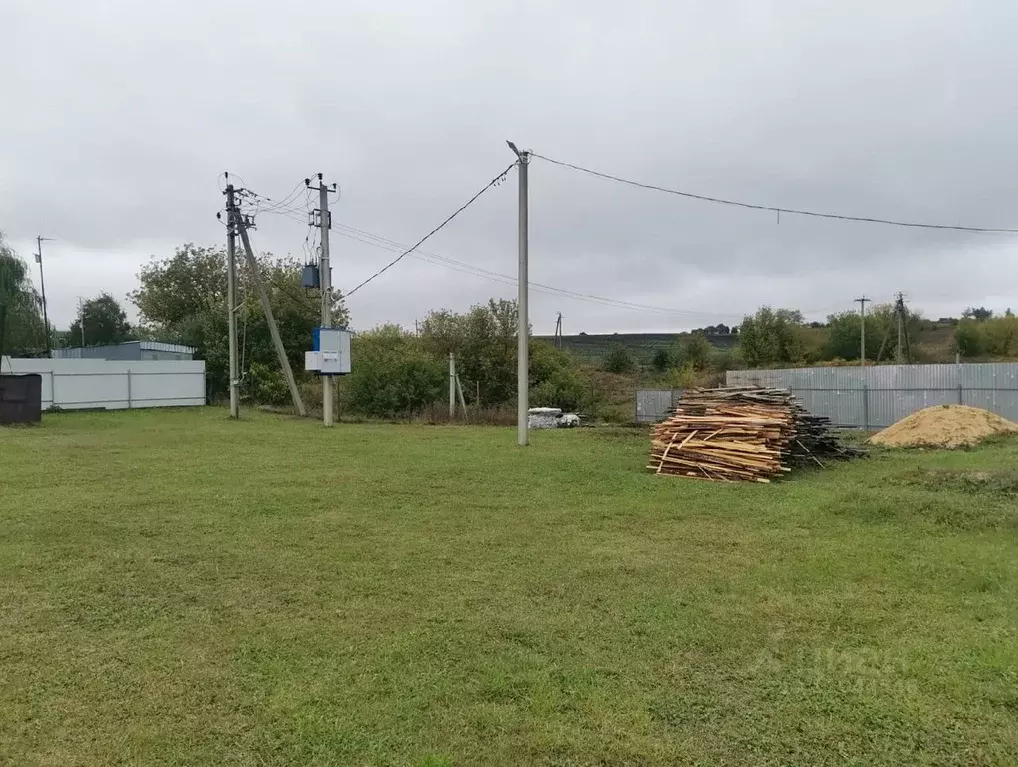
[(460, 266), (421, 241), (771, 208)]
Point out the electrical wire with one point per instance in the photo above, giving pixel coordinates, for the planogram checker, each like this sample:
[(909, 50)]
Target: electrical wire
[(771, 208), (285, 201), (501, 176), (459, 266)]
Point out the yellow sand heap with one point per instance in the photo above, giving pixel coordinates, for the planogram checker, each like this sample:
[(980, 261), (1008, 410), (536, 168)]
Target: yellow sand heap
[(947, 426)]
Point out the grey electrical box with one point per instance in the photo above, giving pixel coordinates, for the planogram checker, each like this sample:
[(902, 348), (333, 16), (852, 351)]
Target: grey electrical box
[(331, 352)]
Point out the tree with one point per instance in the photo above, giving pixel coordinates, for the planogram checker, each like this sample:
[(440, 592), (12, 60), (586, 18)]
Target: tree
[(844, 333), (175, 290), (554, 380), (101, 320), (618, 359), (978, 313), (699, 352), (969, 338), (995, 337), (394, 376), (661, 361), (183, 299), (484, 340), (22, 330), (772, 337)]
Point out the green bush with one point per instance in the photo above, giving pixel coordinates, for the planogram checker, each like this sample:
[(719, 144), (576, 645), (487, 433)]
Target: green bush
[(996, 337), (392, 376), (661, 361), (969, 337), (699, 352), (555, 379), (772, 337), (618, 360), (727, 359), (265, 384)]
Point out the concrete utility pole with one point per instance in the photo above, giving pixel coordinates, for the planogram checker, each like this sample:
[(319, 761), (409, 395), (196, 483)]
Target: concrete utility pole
[(81, 316), (523, 349), (463, 401), (558, 331), (256, 278), (231, 297), (42, 287), (452, 385), (862, 336), (899, 308), (325, 276)]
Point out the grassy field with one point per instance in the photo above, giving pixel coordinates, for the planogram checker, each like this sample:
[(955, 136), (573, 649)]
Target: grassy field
[(179, 589)]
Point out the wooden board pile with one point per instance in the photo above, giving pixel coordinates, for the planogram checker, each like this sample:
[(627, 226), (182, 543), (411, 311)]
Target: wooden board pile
[(742, 433)]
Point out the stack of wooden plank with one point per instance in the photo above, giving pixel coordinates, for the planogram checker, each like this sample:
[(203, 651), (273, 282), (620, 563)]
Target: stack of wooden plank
[(741, 433)]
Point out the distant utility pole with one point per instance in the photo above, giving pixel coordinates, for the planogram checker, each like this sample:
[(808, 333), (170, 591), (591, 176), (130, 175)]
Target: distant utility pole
[(231, 295), (898, 306), (862, 335), (523, 349), (42, 286), (558, 331), (325, 277), (904, 350)]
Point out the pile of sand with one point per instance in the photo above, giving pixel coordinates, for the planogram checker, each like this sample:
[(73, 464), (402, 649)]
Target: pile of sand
[(947, 426)]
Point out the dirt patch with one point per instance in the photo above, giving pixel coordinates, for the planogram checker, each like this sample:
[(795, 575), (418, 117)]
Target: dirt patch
[(946, 426)]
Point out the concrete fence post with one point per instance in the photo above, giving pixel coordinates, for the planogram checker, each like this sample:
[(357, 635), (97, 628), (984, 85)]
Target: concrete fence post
[(961, 398)]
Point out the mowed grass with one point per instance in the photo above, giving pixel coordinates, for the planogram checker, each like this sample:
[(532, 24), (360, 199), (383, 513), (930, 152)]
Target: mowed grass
[(180, 589)]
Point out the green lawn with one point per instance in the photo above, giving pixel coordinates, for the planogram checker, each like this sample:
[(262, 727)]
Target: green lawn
[(179, 589)]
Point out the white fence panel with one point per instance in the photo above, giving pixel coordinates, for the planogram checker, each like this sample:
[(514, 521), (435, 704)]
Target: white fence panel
[(75, 384)]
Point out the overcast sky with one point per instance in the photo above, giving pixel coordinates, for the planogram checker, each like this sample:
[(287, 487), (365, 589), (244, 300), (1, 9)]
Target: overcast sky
[(118, 118)]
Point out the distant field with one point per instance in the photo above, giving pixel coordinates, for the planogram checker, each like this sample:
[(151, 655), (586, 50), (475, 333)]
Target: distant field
[(178, 589), (641, 345)]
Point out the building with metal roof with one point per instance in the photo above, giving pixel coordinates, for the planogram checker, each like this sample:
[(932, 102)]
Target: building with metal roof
[(130, 351)]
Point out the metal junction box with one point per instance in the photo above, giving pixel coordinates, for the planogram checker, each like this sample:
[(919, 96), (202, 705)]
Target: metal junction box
[(331, 352)]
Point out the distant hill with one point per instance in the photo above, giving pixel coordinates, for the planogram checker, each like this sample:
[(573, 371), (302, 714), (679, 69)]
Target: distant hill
[(935, 342), (593, 347)]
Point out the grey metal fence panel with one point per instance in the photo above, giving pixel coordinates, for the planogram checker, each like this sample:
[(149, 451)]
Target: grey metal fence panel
[(652, 405), (879, 395)]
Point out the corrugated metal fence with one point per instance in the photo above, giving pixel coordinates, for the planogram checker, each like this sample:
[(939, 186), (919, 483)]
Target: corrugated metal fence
[(873, 396), (111, 384)]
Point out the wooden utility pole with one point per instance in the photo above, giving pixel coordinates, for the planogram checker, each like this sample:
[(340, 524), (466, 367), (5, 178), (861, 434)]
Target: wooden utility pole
[(256, 279)]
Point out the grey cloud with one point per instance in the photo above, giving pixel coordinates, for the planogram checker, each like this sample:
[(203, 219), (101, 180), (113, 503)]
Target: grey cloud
[(120, 116)]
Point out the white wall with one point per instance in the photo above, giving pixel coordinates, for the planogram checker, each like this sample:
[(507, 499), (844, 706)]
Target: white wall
[(112, 384)]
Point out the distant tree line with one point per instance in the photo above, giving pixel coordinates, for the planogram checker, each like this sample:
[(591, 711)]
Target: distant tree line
[(398, 373)]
